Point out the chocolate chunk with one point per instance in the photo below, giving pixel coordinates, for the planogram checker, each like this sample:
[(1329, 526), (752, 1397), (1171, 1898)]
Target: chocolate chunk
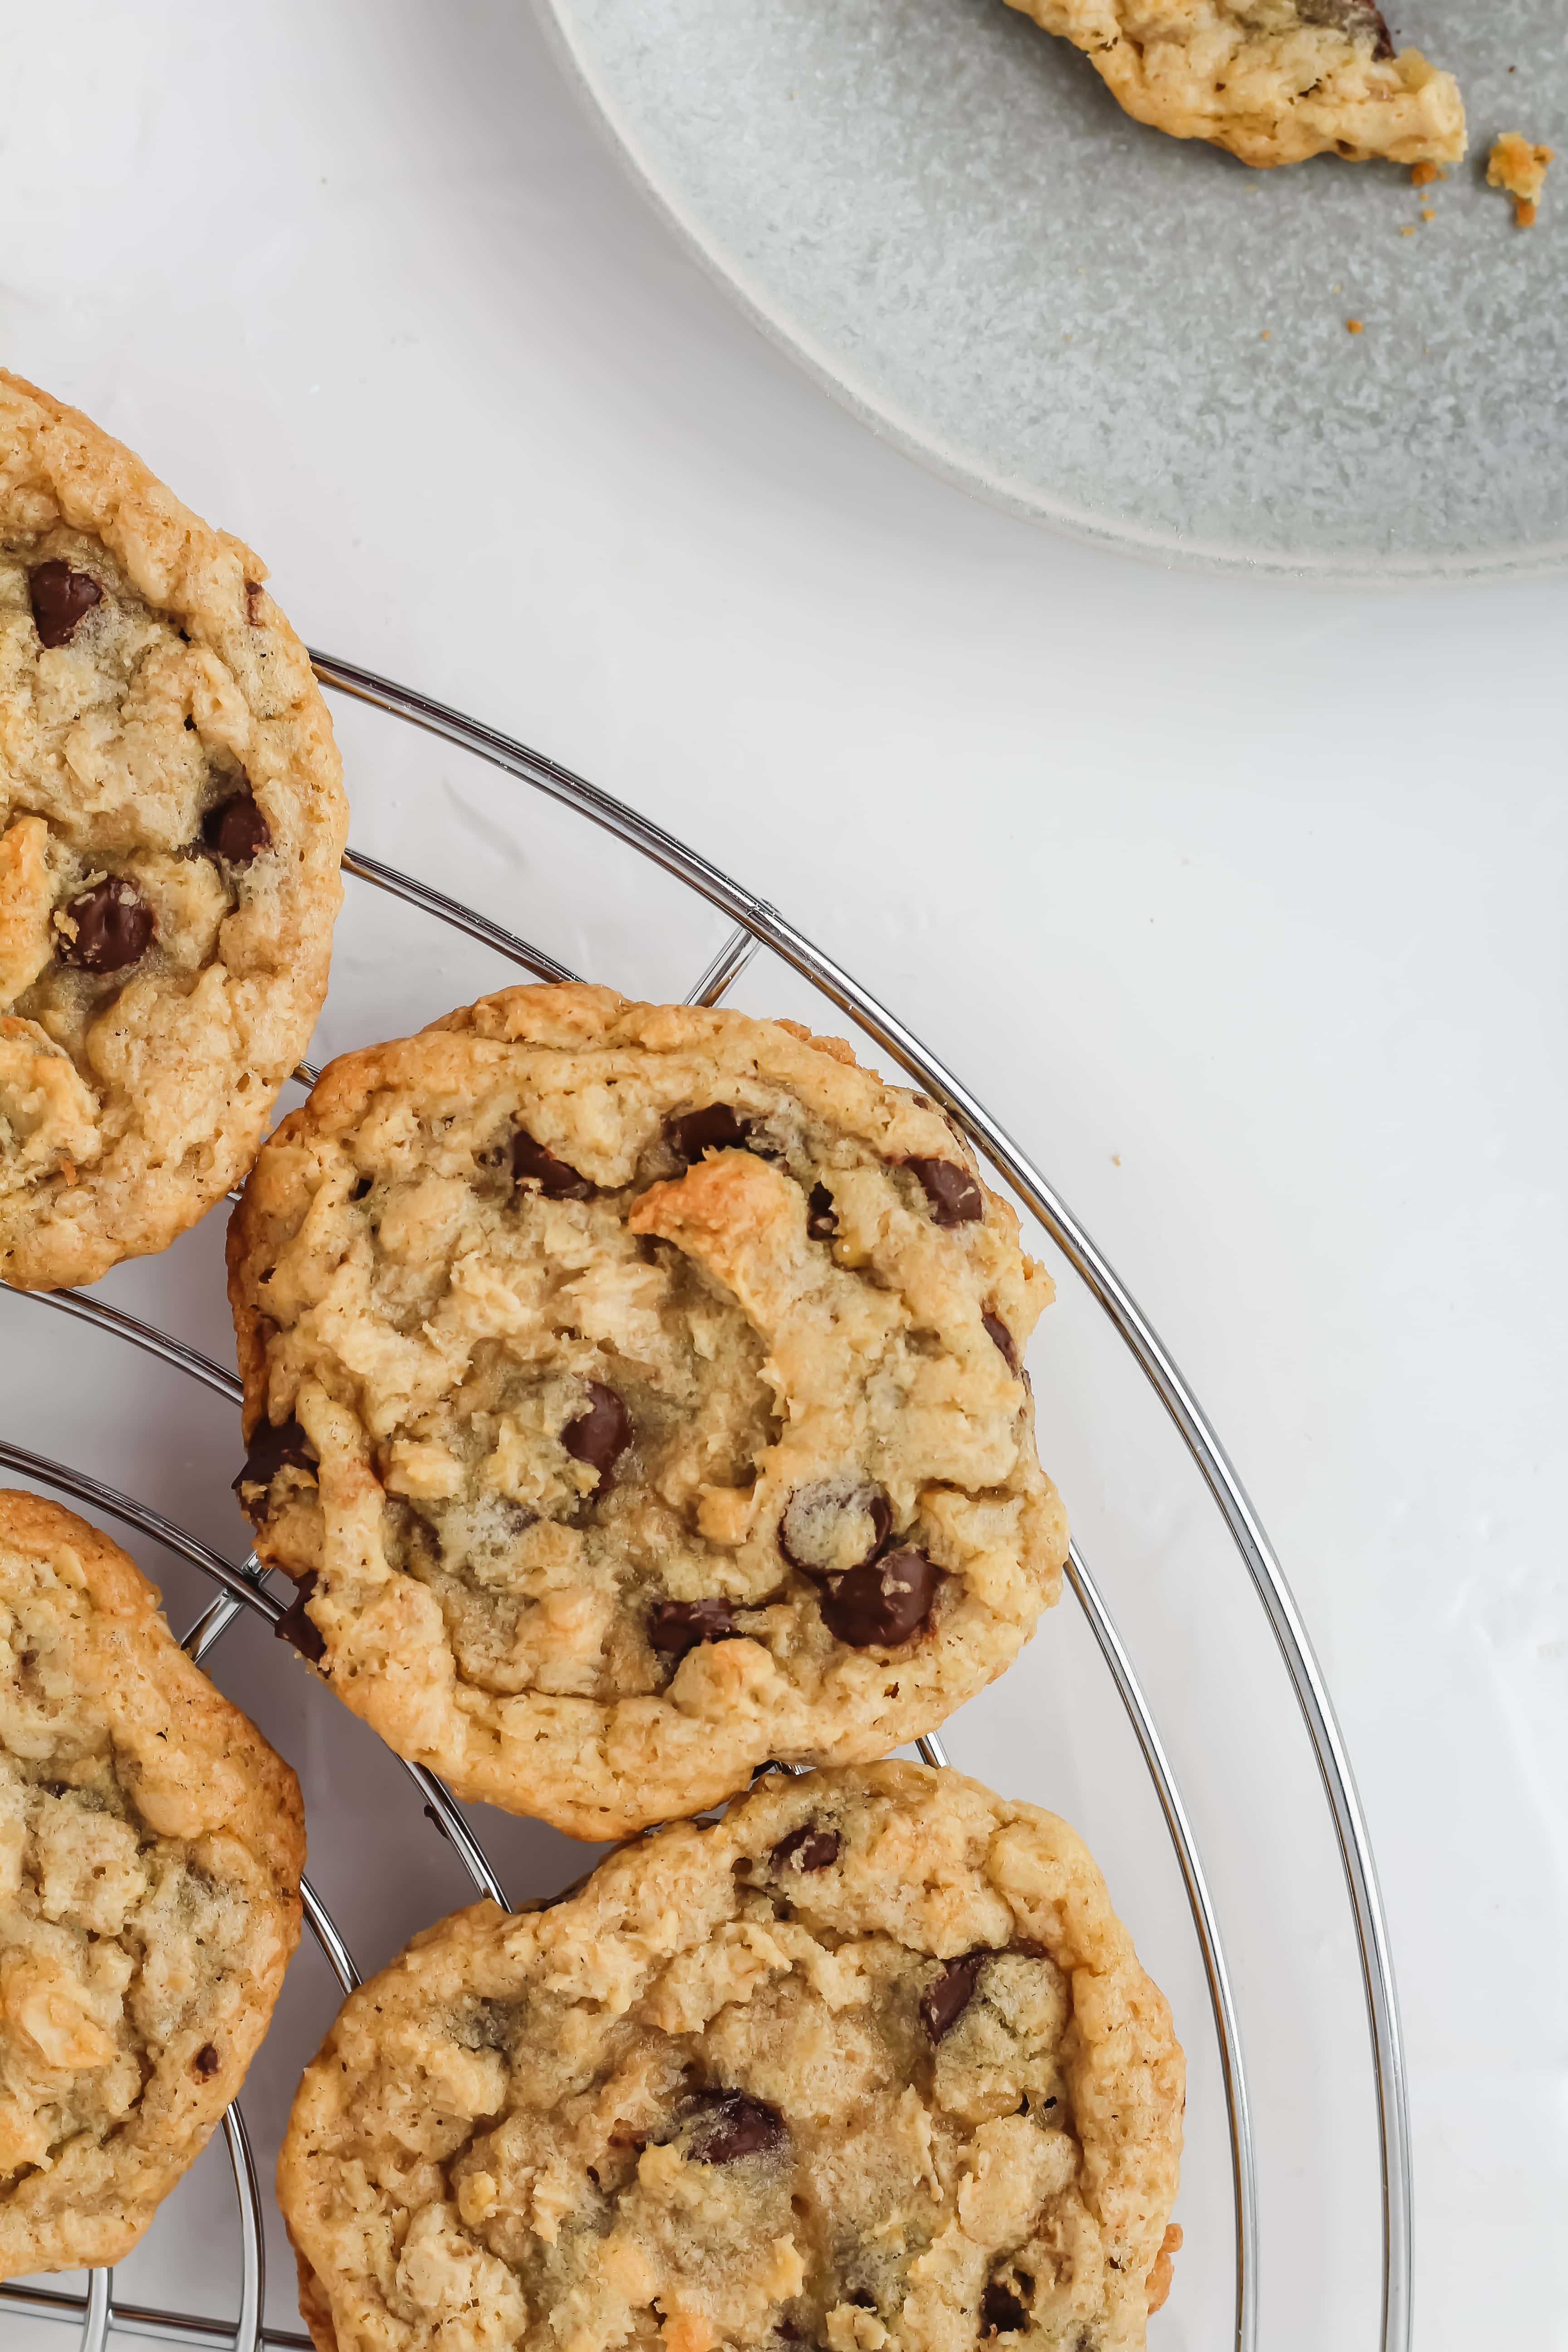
[(947, 1996), (954, 1196), (997, 1331), (733, 2125), (807, 1848), (113, 927), (601, 1435), (532, 1165), (884, 1601), (676, 1626), (60, 598), (295, 1627), (236, 830), (821, 1217), (833, 1525), (1001, 2313), (254, 592), (274, 1446), (205, 2062), (1358, 20), (717, 1128)]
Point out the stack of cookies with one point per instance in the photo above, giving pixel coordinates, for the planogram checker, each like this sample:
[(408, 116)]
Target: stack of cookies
[(635, 1396)]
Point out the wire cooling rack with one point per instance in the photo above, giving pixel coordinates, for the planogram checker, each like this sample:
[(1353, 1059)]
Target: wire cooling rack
[(97, 2314)]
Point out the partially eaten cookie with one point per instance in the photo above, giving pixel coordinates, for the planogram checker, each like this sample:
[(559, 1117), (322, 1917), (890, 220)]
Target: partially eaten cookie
[(1272, 80)]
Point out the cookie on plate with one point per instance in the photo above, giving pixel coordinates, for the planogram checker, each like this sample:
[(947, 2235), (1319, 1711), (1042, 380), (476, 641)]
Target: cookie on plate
[(1272, 80), (869, 2063), (637, 1391), (150, 1845), (171, 823)]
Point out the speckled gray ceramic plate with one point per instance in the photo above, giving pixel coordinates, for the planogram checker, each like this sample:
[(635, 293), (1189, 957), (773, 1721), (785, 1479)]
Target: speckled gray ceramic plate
[(943, 213)]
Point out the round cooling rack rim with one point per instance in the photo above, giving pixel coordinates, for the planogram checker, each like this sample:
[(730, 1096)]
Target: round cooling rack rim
[(759, 924)]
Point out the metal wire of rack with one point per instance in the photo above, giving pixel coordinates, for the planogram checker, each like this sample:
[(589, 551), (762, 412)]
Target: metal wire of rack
[(95, 2313)]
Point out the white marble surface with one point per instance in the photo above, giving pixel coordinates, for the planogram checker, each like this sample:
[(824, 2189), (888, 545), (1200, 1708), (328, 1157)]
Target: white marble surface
[(1240, 904)]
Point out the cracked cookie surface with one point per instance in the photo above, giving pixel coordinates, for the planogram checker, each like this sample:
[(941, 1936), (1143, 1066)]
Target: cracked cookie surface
[(870, 2065), (636, 1392), (1274, 82), (150, 1845), (171, 823)]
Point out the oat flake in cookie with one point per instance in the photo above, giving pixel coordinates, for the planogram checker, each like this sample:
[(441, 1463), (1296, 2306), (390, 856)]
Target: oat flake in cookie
[(171, 822), (150, 1845), (871, 2065), (637, 1391)]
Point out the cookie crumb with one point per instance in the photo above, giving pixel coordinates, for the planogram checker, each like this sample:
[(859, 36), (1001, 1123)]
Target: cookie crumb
[(1408, 228), (1423, 174), (1519, 168), (1263, 338), (1352, 326), (1159, 2281), (1427, 214)]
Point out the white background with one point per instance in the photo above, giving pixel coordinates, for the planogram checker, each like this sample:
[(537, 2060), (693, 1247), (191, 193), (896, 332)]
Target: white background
[(1242, 906)]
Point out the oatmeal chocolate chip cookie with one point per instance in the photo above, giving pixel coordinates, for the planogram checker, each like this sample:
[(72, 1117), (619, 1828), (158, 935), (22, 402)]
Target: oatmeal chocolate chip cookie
[(151, 1844), (869, 2065), (171, 822), (635, 1391), (1272, 80)]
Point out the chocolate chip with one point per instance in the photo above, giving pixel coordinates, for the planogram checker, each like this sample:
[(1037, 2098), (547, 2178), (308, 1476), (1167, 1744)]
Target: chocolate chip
[(60, 599), (821, 1217), (113, 927), (295, 1627), (1001, 2313), (807, 1848), (601, 1435), (205, 2062), (716, 1129), (947, 1996), (1358, 20), (997, 1331), (834, 1525), (954, 1196), (274, 1446), (254, 592), (884, 1601), (676, 1626), (532, 1164), (733, 2125), (236, 830)]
